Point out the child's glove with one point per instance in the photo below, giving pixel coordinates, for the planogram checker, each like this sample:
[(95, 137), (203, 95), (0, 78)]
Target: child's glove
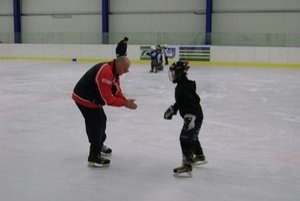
[(169, 113), (189, 121)]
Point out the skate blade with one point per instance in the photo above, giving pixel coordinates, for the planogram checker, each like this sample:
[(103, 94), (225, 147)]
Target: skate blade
[(183, 175), (96, 165), (105, 154), (199, 163)]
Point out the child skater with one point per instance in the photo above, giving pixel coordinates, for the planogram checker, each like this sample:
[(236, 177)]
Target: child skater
[(187, 102), (156, 59)]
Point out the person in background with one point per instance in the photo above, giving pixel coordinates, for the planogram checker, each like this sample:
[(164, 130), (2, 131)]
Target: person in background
[(98, 87), (156, 59), (164, 48), (187, 102), (121, 49)]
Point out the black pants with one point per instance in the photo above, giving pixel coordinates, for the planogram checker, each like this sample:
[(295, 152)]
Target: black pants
[(95, 124), (189, 141), (166, 60), (156, 65)]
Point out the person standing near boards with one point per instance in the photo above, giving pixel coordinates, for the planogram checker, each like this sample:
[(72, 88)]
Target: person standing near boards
[(121, 49)]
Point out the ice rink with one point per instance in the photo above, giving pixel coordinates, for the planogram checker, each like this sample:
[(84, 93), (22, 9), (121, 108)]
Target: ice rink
[(250, 136)]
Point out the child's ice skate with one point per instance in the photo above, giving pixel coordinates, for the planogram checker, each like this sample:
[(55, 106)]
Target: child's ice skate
[(199, 160), (98, 161), (183, 171), (106, 151)]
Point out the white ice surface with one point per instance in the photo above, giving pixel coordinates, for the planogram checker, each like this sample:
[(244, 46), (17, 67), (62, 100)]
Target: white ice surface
[(250, 135)]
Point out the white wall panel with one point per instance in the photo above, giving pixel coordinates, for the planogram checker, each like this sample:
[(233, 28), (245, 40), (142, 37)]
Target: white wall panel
[(244, 54), (279, 55), (239, 21), (6, 21), (291, 23), (293, 55), (65, 6), (91, 51), (156, 5), (20, 50), (6, 24), (256, 4), (127, 21), (88, 23), (257, 23), (221, 54), (56, 51), (84, 17), (6, 7), (157, 23), (262, 55), (127, 16)]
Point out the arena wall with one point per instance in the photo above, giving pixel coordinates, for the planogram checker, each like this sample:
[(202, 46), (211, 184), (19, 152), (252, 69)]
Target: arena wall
[(218, 55)]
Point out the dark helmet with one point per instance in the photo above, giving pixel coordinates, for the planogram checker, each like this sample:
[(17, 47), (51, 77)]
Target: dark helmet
[(178, 70)]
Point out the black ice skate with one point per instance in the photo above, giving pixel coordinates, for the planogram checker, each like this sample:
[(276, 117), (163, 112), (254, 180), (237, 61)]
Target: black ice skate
[(106, 151), (183, 171), (98, 161), (199, 160)]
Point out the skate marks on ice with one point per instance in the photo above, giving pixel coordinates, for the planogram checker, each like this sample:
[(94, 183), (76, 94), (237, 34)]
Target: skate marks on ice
[(250, 134), (183, 175), (292, 159)]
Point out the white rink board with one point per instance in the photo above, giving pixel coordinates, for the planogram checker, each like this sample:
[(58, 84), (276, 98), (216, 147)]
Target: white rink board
[(267, 55)]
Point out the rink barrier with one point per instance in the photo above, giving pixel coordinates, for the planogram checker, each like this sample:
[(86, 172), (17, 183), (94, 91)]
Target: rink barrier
[(146, 62), (231, 64), (217, 55), (249, 64)]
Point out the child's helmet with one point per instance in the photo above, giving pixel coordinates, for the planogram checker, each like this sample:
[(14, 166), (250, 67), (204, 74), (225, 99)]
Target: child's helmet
[(178, 70)]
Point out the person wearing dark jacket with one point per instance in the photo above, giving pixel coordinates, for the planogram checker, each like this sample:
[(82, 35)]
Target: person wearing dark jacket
[(156, 59), (100, 86), (121, 49), (187, 102)]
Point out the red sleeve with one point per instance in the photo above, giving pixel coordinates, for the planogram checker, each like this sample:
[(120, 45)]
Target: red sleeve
[(120, 93), (104, 80)]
